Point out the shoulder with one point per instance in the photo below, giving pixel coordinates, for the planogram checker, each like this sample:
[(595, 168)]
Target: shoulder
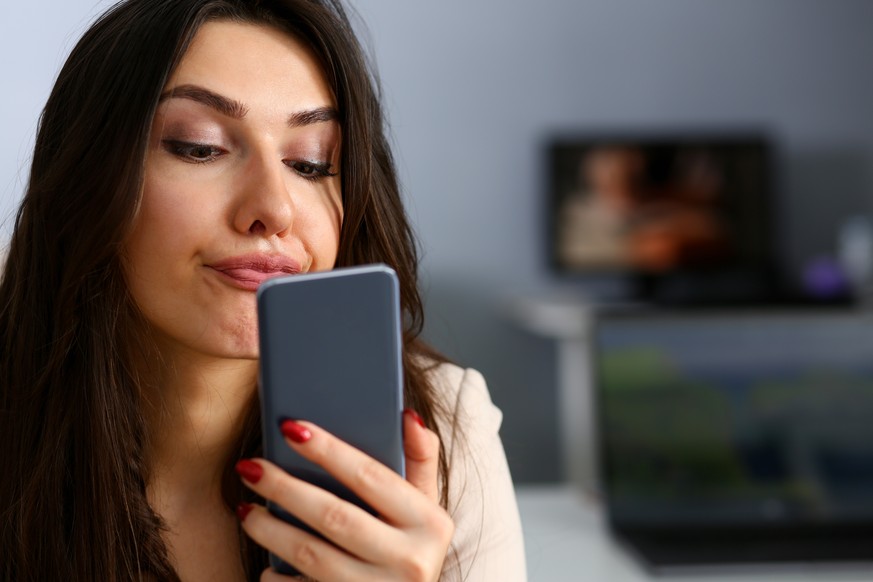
[(488, 541), (463, 395), (469, 425)]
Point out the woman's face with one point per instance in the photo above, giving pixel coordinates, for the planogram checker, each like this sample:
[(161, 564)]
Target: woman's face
[(241, 185)]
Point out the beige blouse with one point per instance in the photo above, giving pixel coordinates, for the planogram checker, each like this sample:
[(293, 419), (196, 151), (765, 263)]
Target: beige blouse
[(488, 543)]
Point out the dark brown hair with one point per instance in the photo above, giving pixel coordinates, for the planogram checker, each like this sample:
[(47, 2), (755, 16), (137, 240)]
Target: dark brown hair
[(72, 431)]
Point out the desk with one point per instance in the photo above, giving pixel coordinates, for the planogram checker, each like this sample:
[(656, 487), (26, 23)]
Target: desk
[(566, 541), (568, 323)]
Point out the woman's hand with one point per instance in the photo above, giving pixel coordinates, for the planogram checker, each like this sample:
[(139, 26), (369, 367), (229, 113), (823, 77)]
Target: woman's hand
[(407, 542)]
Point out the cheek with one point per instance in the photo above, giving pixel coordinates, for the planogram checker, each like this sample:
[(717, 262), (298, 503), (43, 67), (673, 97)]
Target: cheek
[(154, 229), (322, 219), (333, 226), (171, 214), (162, 242)]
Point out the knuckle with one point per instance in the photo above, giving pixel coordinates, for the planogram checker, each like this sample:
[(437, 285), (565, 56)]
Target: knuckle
[(442, 525), (335, 519), (370, 474), (415, 568), (448, 530), (305, 555)]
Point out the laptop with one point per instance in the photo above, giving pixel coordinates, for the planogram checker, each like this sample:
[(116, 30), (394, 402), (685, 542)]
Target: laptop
[(736, 438)]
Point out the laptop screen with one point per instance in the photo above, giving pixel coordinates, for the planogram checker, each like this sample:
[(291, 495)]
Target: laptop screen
[(736, 419)]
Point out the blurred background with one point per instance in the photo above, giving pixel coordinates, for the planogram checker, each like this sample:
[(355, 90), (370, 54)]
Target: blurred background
[(476, 94)]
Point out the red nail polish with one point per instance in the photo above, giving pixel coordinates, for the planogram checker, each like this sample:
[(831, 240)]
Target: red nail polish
[(414, 416), (243, 509), (249, 470), (296, 432)]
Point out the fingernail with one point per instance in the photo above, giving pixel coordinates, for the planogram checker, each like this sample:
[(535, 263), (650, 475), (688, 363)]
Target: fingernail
[(243, 509), (249, 470), (414, 416), (296, 432)]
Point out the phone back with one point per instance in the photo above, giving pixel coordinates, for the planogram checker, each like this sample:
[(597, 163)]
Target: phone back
[(331, 354)]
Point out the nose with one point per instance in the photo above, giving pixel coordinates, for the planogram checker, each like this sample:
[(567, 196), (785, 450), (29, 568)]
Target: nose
[(265, 206)]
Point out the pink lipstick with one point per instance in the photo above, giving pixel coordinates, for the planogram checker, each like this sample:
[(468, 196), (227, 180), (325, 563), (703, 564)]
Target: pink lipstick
[(247, 272)]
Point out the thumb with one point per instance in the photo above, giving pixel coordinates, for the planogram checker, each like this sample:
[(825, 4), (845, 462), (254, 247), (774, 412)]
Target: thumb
[(422, 449)]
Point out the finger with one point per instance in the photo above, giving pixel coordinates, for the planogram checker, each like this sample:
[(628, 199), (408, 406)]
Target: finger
[(345, 524), (396, 500), (311, 555), (422, 449)]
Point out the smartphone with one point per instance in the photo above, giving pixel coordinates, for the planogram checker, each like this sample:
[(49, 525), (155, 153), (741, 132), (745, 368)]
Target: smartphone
[(330, 353)]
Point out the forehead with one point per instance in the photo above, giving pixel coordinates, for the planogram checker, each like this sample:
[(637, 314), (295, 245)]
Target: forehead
[(258, 64)]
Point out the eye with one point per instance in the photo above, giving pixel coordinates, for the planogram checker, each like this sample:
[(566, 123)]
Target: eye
[(196, 153), (310, 170)]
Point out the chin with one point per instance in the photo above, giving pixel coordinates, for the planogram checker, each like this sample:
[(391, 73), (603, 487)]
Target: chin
[(236, 339), (243, 349)]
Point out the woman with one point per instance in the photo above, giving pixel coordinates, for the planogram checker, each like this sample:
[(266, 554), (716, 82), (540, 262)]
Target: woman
[(191, 149)]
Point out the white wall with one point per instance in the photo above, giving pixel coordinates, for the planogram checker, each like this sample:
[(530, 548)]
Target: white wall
[(472, 90)]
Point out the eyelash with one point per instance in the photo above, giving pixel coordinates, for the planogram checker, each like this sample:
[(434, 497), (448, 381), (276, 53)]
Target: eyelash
[(308, 170), (317, 170), (184, 150)]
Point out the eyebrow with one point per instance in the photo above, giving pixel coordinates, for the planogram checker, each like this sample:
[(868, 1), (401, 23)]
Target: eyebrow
[(318, 115), (237, 110), (225, 106)]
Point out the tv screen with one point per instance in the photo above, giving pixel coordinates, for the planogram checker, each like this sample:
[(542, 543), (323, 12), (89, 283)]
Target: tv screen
[(687, 217)]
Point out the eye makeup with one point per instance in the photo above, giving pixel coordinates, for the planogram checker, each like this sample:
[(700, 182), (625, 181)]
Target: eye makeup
[(194, 131), (195, 134), (198, 153)]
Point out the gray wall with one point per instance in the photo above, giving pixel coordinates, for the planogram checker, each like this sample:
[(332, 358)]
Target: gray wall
[(473, 89), (35, 38)]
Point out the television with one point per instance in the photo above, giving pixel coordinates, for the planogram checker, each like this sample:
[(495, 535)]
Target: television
[(727, 437), (685, 218)]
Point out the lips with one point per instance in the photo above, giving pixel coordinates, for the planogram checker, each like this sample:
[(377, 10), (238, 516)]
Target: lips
[(247, 272)]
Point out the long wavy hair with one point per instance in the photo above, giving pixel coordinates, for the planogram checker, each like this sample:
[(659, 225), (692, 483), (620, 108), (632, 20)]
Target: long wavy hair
[(73, 434)]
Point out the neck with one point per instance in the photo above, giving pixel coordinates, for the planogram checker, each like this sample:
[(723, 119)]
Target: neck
[(196, 409)]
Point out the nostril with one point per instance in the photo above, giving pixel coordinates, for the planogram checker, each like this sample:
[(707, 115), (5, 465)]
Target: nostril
[(257, 227)]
